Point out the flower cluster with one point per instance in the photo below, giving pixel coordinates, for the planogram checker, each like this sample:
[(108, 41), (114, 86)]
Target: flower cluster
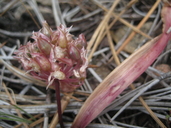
[(55, 55)]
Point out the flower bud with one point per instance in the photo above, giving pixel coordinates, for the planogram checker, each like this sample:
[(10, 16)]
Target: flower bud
[(62, 41), (81, 42), (59, 75), (54, 38), (39, 35), (46, 30), (66, 61), (44, 46), (35, 66), (74, 52), (43, 62), (59, 52), (26, 63)]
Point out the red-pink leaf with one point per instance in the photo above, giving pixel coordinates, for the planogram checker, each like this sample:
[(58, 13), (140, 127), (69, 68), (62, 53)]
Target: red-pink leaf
[(123, 75)]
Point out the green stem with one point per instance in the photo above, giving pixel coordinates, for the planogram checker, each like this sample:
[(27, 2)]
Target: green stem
[(58, 98)]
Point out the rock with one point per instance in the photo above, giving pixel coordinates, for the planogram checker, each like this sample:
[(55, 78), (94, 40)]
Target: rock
[(163, 68), (133, 44)]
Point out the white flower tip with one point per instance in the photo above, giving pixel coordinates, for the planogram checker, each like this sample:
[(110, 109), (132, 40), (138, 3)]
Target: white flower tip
[(59, 75), (76, 74)]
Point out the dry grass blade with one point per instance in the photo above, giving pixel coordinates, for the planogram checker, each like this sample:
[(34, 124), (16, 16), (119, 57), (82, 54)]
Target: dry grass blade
[(139, 25), (14, 103), (31, 13), (102, 33), (57, 13), (23, 75), (1, 45), (112, 48), (20, 125), (100, 30), (8, 6)]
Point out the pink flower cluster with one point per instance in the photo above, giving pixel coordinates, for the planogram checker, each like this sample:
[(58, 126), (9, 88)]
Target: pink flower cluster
[(55, 55)]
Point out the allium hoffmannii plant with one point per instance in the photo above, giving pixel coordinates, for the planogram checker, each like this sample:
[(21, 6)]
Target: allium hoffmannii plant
[(55, 55), (125, 73)]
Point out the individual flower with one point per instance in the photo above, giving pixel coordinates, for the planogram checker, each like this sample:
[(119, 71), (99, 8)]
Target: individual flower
[(55, 55)]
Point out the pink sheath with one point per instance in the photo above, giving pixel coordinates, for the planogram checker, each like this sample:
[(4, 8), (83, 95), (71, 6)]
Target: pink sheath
[(123, 75)]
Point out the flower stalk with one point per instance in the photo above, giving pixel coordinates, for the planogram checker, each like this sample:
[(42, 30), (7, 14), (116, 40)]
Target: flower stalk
[(58, 98), (124, 74)]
